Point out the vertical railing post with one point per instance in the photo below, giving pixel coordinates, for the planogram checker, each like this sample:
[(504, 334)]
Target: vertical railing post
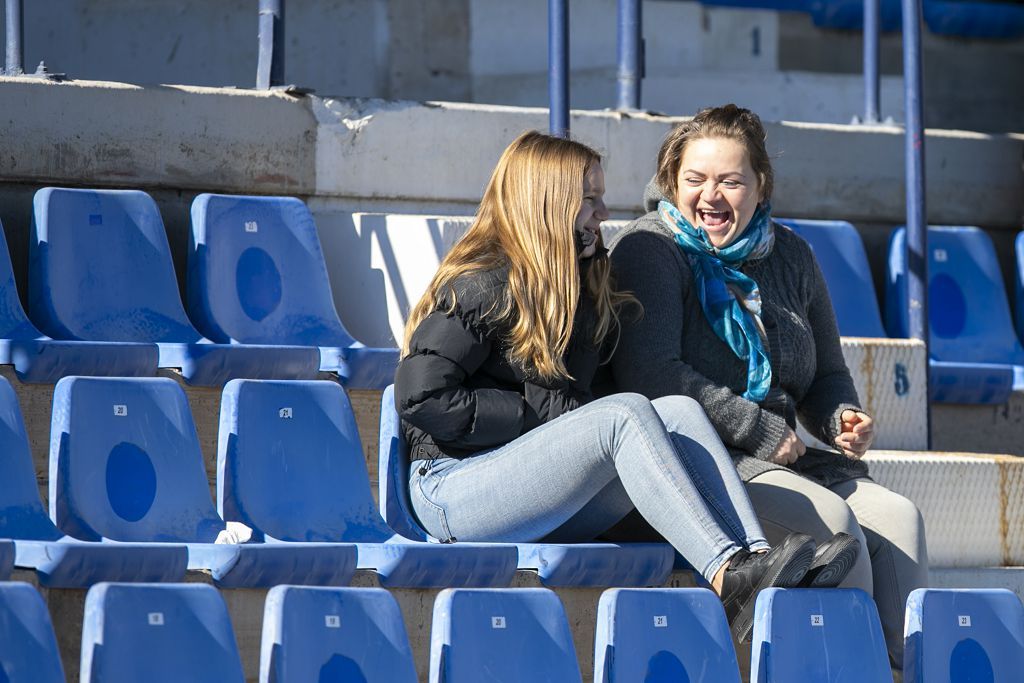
[(917, 225), (631, 54), (558, 67), (270, 67), (14, 58), (872, 113)]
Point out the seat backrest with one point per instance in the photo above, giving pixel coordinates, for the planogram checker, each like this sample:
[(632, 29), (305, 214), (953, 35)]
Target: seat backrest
[(841, 256), (22, 514), (1019, 285), (514, 634), (393, 472), (101, 268), (968, 313), (334, 634), (663, 634), (14, 324), (28, 646), (290, 463), (256, 273), (961, 635), (158, 633), (125, 462), (808, 634)]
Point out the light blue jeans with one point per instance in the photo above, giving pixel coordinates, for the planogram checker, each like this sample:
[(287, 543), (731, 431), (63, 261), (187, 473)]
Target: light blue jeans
[(577, 476)]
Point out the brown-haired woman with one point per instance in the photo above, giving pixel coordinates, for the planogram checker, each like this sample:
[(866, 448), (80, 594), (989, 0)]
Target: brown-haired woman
[(738, 317)]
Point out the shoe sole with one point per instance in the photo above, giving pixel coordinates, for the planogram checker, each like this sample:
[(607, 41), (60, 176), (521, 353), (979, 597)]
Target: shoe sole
[(836, 565), (787, 576)]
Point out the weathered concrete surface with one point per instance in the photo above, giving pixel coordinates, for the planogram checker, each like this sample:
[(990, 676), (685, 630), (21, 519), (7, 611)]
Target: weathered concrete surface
[(979, 429)]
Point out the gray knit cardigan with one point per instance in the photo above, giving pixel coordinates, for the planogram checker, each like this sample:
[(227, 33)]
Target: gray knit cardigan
[(672, 349)]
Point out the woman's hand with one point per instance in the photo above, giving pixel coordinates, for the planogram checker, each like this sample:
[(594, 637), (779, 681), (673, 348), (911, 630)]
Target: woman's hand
[(789, 449), (858, 431)]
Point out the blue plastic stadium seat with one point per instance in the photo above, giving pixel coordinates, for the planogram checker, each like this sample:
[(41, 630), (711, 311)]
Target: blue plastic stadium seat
[(256, 275), (28, 646), (963, 635), (59, 561), (809, 634), (513, 634), (125, 465), (291, 467), (1019, 285), (334, 634), (849, 14), (972, 19), (557, 564), (663, 634), (37, 358), (101, 270), (840, 253), (975, 354), (158, 633)]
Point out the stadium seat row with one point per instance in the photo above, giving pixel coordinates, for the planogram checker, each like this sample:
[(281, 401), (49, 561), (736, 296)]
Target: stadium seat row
[(102, 284), (125, 466), (976, 355), (182, 632)]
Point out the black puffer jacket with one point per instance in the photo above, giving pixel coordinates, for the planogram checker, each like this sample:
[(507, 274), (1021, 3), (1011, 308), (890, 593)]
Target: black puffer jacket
[(456, 391)]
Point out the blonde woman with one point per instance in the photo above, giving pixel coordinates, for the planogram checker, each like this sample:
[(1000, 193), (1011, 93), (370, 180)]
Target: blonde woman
[(494, 391)]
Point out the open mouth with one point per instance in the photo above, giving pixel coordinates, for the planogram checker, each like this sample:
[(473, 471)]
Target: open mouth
[(587, 238), (714, 219)]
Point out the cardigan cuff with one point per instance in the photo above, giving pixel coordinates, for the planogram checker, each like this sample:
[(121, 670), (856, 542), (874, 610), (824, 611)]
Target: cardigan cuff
[(766, 435), (833, 427)]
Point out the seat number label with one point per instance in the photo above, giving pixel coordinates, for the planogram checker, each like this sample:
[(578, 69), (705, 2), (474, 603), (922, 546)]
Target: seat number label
[(497, 622), (285, 413), (817, 620), (251, 226), (660, 621), (332, 621), (964, 620), (120, 410), (155, 618)]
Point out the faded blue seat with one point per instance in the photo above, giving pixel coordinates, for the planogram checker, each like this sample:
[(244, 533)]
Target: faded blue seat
[(963, 635), (256, 275), (59, 561), (28, 646), (334, 634), (1018, 288), (514, 634), (101, 270), (557, 564), (818, 634), (975, 356), (158, 633), (663, 634), (37, 358), (840, 253), (291, 467), (125, 465), (973, 19)]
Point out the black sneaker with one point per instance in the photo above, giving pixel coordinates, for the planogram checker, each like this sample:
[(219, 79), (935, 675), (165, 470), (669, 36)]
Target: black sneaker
[(749, 573), (832, 562)]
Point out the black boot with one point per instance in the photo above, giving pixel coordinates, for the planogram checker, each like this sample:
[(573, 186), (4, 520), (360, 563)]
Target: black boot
[(832, 562), (749, 573)]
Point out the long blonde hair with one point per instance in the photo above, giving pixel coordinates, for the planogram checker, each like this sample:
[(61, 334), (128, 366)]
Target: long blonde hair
[(525, 223)]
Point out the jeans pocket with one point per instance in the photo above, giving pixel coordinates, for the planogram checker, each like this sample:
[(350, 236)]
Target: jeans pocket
[(431, 514)]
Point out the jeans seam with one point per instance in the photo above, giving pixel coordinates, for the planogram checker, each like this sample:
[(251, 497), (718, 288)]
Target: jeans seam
[(442, 516)]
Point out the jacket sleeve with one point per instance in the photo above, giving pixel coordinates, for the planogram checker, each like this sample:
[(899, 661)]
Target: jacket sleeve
[(649, 357), (430, 383)]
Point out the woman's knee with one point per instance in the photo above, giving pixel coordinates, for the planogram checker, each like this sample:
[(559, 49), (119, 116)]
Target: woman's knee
[(794, 504), (635, 406)]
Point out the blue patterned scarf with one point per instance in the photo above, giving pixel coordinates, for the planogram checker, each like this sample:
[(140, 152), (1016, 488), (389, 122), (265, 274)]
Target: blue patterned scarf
[(719, 283)]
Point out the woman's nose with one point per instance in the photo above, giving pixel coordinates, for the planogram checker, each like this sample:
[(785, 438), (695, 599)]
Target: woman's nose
[(601, 211), (709, 192)]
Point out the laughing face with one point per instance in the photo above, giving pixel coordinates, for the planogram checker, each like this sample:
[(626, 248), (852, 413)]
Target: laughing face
[(717, 188), (592, 211)]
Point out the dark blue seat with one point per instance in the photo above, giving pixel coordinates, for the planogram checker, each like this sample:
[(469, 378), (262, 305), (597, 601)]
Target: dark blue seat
[(28, 646), (256, 275), (125, 465), (158, 633), (1019, 284), (37, 358), (843, 262), (963, 635), (59, 561), (291, 467), (513, 634), (975, 356), (663, 634), (353, 635), (973, 19), (817, 634), (101, 270), (557, 564)]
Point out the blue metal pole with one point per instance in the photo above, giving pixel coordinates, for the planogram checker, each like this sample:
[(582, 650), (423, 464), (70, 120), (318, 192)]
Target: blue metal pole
[(270, 67), (917, 225), (871, 29), (14, 57), (558, 67), (631, 54)]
